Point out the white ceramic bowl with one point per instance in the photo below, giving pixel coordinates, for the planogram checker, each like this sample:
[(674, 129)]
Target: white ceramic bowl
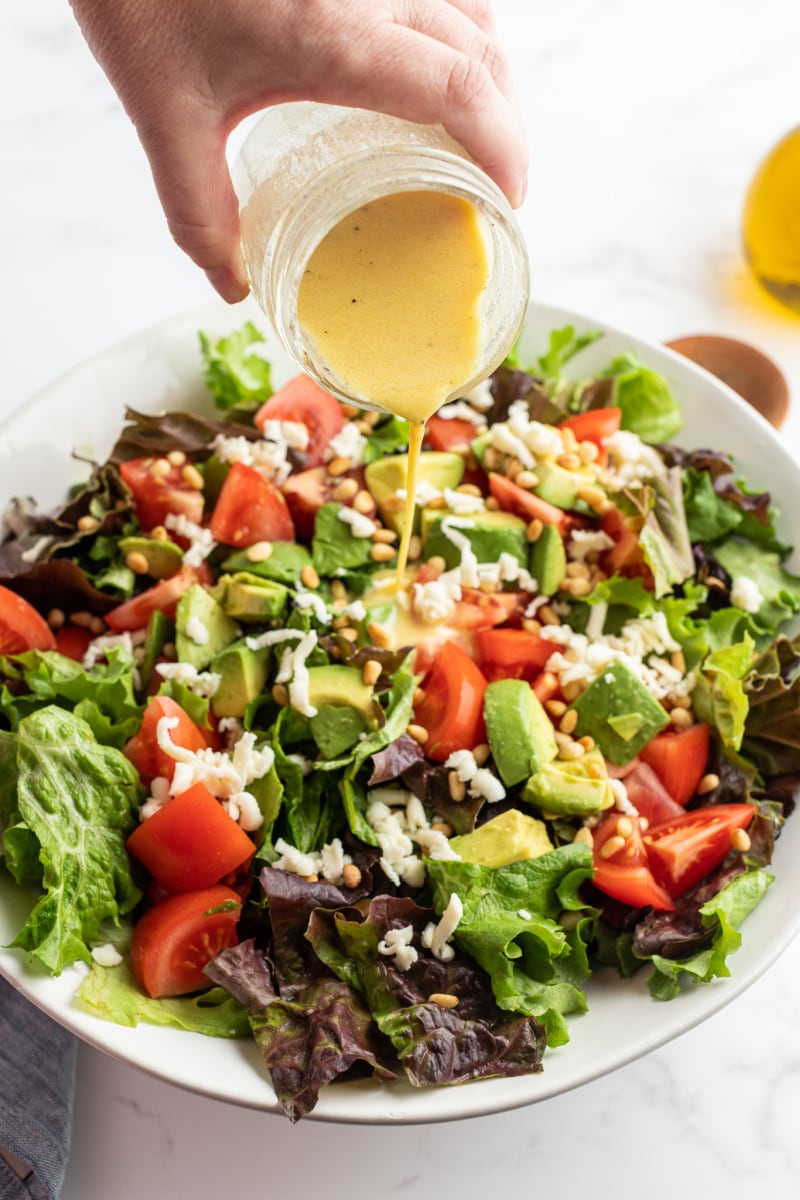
[(160, 369)]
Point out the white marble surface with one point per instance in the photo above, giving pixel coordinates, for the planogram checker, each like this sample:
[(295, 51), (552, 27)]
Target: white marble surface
[(646, 122)]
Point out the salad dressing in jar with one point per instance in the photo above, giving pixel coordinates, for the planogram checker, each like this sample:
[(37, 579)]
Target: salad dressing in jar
[(389, 264), (771, 222)]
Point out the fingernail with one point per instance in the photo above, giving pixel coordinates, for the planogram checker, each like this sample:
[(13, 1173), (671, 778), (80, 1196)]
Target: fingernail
[(230, 287)]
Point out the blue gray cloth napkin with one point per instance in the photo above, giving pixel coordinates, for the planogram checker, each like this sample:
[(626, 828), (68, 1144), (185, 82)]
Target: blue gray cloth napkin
[(37, 1080)]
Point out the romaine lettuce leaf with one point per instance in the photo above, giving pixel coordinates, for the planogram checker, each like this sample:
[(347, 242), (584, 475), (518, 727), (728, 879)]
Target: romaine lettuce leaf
[(510, 927), (719, 695), (79, 799), (780, 590), (236, 373), (648, 407), (113, 994), (334, 546)]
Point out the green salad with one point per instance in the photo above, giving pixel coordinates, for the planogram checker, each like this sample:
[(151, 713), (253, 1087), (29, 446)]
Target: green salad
[(260, 790)]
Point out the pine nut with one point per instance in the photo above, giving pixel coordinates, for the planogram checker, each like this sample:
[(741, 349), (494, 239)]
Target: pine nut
[(160, 468), (443, 999), (587, 741), (382, 553), (740, 840), (707, 784), (82, 619), (372, 672), (492, 504), (681, 718), (624, 827), (415, 547), (419, 733), (611, 846), (137, 562), (87, 523), (192, 477), (97, 626), (469, 489), (437, 564), (338, 465), (556, 708), (344, 491), (548, 615), (363, 503), (159, 533), (309, 577), (569, 751), (176, 458), (338, 590), (527, 479), (379, 635), (531, 625), (481, 753), (534, 530), (385, 535), (259, 552), (56, 618), (588, 452), (349, 634), (456, 787), (569, 721), (351, 875), (569, 461), (419, 696), (443, 827), (280, 694), (584, 834)]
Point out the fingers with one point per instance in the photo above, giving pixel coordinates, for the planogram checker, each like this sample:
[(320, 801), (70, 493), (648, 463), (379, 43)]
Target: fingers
[(191, 175), (428, 81)]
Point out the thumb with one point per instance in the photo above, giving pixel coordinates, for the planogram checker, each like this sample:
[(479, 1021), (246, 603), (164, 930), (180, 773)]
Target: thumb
[(191, 175)]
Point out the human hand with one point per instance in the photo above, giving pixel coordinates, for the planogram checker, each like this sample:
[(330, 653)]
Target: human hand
[(189, 71)]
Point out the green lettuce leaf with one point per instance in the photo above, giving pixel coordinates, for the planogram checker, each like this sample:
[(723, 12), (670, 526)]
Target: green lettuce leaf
[(719, 696), (724, 913), (237, 374), (564, 345), (779, 589), (709, 516), (772, 727), (648, 407), (79, 799), (113, 994), (334, 548), (511, 927)]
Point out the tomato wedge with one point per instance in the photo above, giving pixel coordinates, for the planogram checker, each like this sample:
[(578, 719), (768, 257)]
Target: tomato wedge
[(522, 503), (143, 749), (622, 871), (21, 626), (452, 708), (626, 556), (304, 401), (178, 936), (73, 641), (444, 434), (594, 425), (191, 842), (483, 610), (250, 509), (512, 653), (161, 597), (156, 493), (648, 795), (679, 759), (687, 848)]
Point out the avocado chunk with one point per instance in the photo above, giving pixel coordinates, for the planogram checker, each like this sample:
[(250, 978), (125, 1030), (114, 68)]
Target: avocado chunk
[(242, 675), (284, 564), (160, 630), (618, 711), (338, 685), (489, 533), (163, 557), (246, 597), (508, 838), (559, 486), (202, 627), (548, 560), (575, 787), (520, 732), (384, 478)]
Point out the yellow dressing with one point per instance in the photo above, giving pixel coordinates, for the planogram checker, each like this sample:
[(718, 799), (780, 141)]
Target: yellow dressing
[(391, 300)]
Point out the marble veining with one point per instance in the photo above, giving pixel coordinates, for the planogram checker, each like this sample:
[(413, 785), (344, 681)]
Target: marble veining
[(645, 127)]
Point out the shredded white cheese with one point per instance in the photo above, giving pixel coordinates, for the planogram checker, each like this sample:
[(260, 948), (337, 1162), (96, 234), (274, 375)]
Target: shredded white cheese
[(201, 539), (436, 937), (329, 862), (348, 443), (746, 594), (361, 526), (202, 683), (397, 944)]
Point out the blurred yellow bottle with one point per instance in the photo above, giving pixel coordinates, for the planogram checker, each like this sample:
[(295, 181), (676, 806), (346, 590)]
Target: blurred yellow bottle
[(771, 224)]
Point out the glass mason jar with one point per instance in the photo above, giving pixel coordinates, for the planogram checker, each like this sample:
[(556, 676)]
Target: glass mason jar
[(304, 167)]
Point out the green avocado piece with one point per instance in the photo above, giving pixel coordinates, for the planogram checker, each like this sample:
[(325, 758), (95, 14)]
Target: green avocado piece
[(160, 630), (385, 477), (572, 787), (618, 711), (163, 556), (202, 627), (337, 685), (559, 486), (548, 560), (480, 445), (247, 597), (519, 730), (490, 533), (508, 838), (284, 564), (243, 673)]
